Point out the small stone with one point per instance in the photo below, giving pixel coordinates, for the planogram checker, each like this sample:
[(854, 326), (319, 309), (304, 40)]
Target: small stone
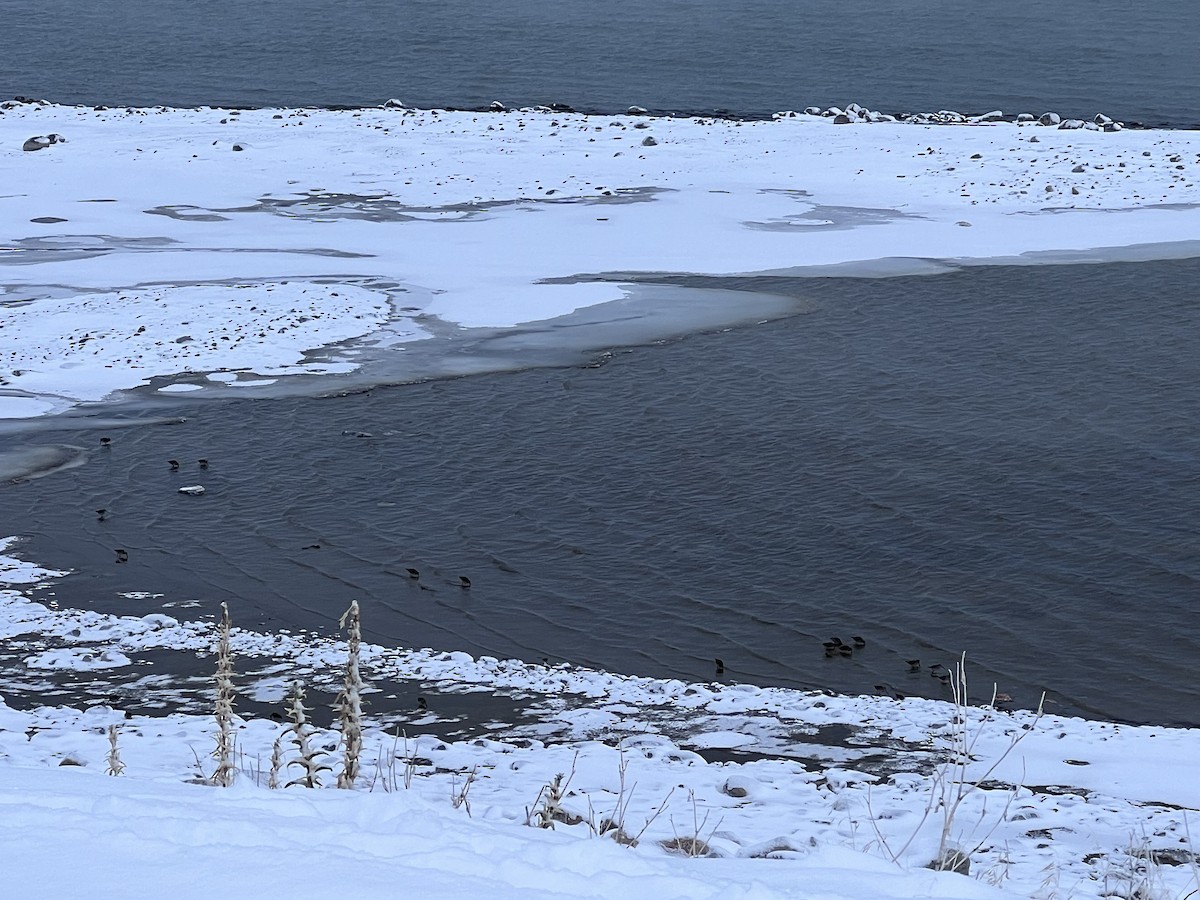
[(1049, 189), (1078, 170), (648, 141), (1075, 191)]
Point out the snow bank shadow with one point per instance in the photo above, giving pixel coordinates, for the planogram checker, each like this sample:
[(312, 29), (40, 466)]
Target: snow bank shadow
[(66, 247), (831, 218), (325, 206)]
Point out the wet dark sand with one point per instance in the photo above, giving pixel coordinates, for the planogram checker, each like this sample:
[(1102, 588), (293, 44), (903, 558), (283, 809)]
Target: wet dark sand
[(1001, 461)]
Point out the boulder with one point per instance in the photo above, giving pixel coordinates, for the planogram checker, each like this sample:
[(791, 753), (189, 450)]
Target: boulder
[(994, 116), (648, 141), (812, 110), (1071, 124), (637, 111), (38, 142), (497, 106), (842, 119), (1101, 119), (1025, 117), (1050, 118), (394, 104)]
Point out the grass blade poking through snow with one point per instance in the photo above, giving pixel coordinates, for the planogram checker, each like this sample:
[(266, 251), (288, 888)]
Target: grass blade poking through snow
[(350, 700)]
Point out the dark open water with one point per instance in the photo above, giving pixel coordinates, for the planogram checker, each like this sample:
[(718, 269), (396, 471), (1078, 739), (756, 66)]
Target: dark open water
[(1004, 461), (1134, 61)]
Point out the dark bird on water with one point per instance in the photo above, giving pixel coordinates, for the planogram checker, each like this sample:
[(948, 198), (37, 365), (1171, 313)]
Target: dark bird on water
[(101, 514), (889, 691), (943, 677), (312, 547), (413, 573), (464, 581), (914, 665), (422, 703), (105, 442), (845, 650), (859, 641), (203, 463), (174, 464), (720, 666), (122, 556)]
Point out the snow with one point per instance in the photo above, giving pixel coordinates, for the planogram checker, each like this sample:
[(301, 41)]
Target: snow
[(147, 252), (1067, 807), (334, 240)]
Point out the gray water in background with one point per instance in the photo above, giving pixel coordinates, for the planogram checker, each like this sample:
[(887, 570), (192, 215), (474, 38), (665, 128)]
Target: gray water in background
[(1134, 61), (1004, 461)]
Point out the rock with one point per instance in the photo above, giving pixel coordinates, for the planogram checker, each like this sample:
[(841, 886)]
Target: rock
[(1091, 126), (812, 110), (951, 117), (842, 119), (1050, 118), (1071, 124), (1075, 191), (42, 141), (72, 759), (738, 786), (1035, 140), (952, 860), (1078, 170), (561, 108), (637, 111), (1049, 189), (994, 116), (834, 111), (1101, 119), (497, 106), (394, 104), (1025, 117), (192, 490), (237, 148), (648, 141)]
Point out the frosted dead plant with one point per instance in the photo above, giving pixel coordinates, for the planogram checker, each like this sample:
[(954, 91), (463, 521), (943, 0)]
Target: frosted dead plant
[(309, 759), (951, 785), (115, 766), (349, 702), (223, 752)]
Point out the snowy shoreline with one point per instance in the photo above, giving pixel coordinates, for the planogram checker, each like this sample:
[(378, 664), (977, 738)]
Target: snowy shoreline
[(234, 251), (837, 787)]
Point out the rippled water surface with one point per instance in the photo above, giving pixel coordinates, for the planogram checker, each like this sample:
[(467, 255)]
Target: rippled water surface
[(1135, 61), (1003, 461)]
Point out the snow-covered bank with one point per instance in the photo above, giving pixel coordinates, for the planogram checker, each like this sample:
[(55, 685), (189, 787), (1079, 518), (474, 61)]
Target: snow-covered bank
[(831, 797), (400, 225)]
